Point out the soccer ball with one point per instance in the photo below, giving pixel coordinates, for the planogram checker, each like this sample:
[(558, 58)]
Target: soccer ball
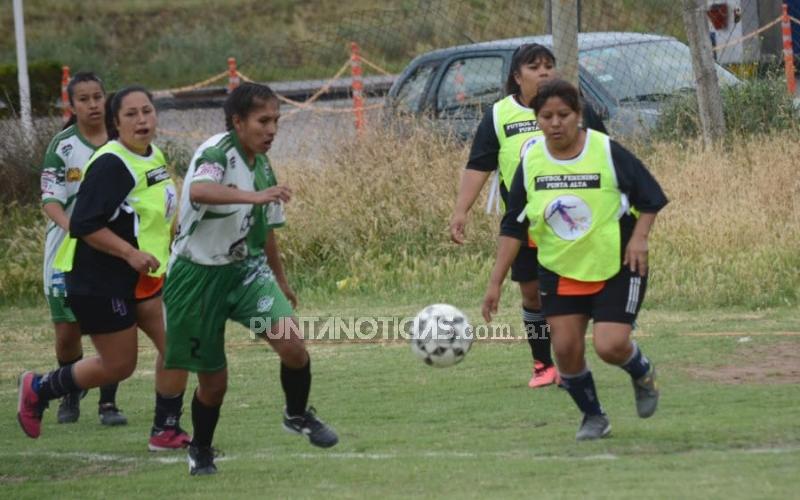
[(441, 335)]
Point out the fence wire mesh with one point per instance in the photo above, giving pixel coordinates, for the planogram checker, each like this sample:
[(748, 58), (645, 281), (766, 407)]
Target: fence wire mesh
[(632, 57), (632, 54)]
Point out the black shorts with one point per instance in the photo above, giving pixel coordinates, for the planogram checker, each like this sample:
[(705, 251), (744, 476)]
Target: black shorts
[(618, 302), (525, 267), (98, 315)]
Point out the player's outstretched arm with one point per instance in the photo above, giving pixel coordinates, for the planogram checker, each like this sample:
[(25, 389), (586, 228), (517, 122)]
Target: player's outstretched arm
[(211, 193), (637, 249), (471, 183), (507, 250)]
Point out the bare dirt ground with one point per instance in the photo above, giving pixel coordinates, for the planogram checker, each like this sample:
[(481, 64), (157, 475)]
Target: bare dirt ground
[(752, 363)]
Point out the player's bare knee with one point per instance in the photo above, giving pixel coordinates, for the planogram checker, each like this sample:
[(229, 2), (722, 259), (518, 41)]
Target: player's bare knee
[(120, 368), (211, 391), (294, 354), (214, 395), (530, 295), (612, 352), (567, 351), (68, 349), (570, 364), (531, 302), (211, 397)]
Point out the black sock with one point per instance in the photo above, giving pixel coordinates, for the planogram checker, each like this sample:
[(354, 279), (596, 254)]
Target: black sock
[(296, 386), (62, 364), (55, 384), (637, 365), (168, 412), (204, 420), (108, 394), (581, 387), (538, 334)]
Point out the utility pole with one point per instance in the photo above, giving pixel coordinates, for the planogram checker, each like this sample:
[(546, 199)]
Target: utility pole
[(565, 38), (770, 40), (709, 99), (548, 16), (22, 72)]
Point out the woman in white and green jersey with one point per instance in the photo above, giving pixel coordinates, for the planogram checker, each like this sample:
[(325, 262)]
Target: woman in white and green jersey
[(62, 172), (226, 264)]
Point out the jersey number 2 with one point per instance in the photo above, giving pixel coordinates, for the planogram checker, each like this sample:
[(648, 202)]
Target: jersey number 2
[(195, 347)]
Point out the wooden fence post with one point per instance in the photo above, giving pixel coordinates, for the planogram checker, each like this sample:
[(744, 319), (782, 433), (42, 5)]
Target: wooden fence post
[(709, 99)]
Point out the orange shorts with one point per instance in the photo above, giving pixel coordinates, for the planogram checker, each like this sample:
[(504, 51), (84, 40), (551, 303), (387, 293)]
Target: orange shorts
[(568, 286), (148, 286)]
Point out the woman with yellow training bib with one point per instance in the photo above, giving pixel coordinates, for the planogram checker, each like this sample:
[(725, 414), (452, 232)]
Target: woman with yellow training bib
[(62, 172), (589, 204), (114, 265), (506, 130)]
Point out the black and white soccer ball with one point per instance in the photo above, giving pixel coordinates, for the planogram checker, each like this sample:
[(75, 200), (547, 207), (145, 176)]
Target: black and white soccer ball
[(441, 335)]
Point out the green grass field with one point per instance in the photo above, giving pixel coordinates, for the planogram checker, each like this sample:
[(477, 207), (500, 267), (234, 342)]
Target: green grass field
[(474, 430)]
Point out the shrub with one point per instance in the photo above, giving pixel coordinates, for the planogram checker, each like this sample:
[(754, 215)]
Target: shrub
[(752, 108), (21, 251), (372, 223), (45, 86), (21, 158)]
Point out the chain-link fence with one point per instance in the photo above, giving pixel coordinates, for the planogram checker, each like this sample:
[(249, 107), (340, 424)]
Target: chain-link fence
[(632, 58)]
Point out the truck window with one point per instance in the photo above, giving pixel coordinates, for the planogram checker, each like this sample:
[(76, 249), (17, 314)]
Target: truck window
[(470, 84), (411, 92)]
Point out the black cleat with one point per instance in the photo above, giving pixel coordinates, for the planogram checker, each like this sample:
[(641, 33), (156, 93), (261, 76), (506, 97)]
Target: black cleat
[(201, 460), (593, 427), (69, 409), (111, 415), (646, 392), (318, 432)]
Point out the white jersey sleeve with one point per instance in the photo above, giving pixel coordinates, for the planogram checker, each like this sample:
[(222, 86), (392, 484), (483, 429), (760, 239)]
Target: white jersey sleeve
[(62, 171)]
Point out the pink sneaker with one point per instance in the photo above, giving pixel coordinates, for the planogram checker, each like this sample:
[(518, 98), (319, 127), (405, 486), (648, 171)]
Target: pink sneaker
[(28, 412), (543, 375), (173, 438)]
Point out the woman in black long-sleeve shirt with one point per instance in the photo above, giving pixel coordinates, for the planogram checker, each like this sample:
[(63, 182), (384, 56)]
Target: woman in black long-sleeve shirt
[(506, 130), (115, 268), (589, 204)]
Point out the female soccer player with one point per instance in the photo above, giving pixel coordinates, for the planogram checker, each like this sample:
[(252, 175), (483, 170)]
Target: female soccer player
[(62, 171), (114, 269), (589, 204), (506, 129), (226, 263)]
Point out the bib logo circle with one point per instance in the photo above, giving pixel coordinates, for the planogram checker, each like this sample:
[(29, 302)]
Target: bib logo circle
[(528, 144), (170, 202), (569, 217)]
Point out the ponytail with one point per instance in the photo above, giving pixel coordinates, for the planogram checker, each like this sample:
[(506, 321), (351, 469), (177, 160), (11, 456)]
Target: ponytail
[(72, 121)]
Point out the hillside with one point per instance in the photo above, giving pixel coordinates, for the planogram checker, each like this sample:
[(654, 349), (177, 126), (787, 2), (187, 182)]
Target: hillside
[(164, 44)]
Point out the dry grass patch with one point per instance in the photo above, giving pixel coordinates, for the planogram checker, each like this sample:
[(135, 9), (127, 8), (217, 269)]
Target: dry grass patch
[(756, 363), (374, 219)]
